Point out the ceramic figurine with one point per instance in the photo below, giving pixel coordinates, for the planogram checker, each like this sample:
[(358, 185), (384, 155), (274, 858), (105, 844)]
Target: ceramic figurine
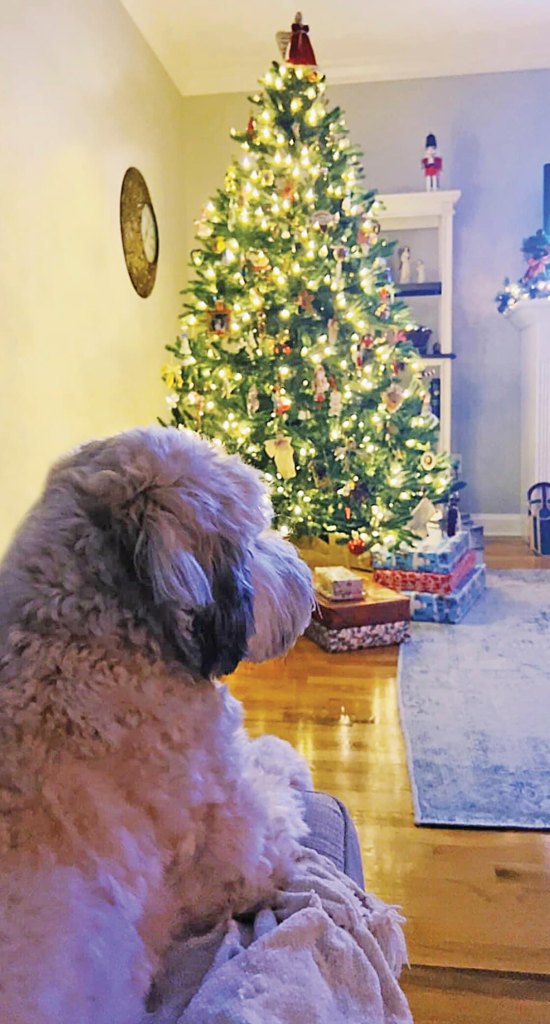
[(420, 272), (405, 265), (432, 164)]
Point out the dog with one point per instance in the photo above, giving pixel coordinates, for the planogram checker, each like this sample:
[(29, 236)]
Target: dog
[(132, 801)]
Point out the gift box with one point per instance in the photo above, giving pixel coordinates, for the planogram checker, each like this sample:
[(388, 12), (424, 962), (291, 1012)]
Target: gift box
[(338, 583), (378, 605), (356, 638), (448, 607), (440, 555), (477, 539), (427, 582)]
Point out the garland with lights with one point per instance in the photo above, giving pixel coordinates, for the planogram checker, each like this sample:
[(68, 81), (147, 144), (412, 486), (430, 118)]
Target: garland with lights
[(293, 350), (535, 282)]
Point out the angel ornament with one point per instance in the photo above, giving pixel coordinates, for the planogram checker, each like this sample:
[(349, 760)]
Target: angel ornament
[(320, 384)]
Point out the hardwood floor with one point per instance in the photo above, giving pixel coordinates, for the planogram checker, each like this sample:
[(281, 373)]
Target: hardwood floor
[(477, 902)]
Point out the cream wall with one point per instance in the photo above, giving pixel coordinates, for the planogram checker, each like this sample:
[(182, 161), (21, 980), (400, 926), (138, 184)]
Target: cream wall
[(82, 98), (494, 134)]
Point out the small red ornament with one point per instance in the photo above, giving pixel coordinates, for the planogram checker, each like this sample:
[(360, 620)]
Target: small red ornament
[(281, 402), (251, 127), (356, 546), (300, 50), (347, 512)]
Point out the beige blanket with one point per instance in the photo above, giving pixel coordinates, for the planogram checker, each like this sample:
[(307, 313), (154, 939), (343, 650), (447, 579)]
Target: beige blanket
[(324, 953)]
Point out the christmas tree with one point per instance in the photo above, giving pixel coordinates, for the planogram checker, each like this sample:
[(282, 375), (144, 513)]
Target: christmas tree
[(294, 349)]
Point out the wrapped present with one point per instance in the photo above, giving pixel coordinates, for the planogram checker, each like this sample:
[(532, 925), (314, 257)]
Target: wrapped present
[(435, 554), (356, 638), (427, 582), (477, 540), (338, 583), (378, 605), (448, 607)]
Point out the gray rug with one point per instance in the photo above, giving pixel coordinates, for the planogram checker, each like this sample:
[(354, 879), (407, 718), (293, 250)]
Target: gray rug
[(475, 709)]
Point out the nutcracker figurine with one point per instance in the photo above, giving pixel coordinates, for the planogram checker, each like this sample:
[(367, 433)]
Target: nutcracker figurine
[(432, 164)]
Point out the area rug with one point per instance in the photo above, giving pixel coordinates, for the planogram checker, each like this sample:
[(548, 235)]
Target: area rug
[(475, 709)]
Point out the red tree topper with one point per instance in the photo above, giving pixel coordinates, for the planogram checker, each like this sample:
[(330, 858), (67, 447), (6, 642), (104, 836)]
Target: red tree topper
[(300, 50)]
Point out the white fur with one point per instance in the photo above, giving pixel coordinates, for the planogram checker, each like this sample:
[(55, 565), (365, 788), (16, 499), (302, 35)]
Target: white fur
[(132, 802)]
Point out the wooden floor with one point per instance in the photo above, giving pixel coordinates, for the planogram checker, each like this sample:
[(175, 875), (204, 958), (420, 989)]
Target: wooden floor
[(477, 902)]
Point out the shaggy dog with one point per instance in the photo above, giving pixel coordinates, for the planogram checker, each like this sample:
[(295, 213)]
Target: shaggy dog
[(132, 802)]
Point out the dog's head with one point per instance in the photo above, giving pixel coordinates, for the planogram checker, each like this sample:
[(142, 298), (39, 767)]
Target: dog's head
[(181, 529)]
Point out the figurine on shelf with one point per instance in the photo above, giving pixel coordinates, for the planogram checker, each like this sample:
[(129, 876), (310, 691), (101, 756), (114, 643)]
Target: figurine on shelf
[(405, 265), (432, 164), (420, 272)]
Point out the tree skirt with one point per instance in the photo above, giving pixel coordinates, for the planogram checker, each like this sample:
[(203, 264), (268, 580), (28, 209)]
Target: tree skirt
[(475, 709)]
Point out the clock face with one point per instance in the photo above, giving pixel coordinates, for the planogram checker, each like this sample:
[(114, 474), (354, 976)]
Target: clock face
[(139, 231), (149, 233)]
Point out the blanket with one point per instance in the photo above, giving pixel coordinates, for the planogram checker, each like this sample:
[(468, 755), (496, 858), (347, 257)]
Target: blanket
[(325, 952)]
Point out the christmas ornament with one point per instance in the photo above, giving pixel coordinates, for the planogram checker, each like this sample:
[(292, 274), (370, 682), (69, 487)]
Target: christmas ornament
[(335, 401), (288, 190), (347, 512), (261, 322), (258, 260), (219, 318), (300, 50), (432, 164), (252, 401), (304, 415), (251, 127), (362, 353), (332, 331), (204, 229), (324, 219), (280, 449), (320, 384), (281, 401), (171, 376), (183, 343), (320, 475), (393, 398), (305, 302), (197, 256), (424, 513), (427, 461), (219, 244), (367, 235), (267, 178), (356, 546), (340, 253)]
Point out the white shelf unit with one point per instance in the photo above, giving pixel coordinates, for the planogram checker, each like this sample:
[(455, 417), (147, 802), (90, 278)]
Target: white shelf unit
[(414, 211)]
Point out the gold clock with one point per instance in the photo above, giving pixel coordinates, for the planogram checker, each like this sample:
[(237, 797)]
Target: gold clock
[(138, 226)]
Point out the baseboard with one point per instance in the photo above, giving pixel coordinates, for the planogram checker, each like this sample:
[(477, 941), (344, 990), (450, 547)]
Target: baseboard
[(502, 524)]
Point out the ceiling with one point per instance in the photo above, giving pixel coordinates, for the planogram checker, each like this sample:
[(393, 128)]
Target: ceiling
[(210, 46)]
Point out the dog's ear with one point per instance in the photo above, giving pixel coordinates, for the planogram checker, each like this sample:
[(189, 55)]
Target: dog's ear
[(222, 628), (196, 582), (206, 610)]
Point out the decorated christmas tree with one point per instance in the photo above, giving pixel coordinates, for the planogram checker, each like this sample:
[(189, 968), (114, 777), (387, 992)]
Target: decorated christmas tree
[(294, 349)]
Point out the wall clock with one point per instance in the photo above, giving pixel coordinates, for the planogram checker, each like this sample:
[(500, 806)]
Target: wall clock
[(138, 226)]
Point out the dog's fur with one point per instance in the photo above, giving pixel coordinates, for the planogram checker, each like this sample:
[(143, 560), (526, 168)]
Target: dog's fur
[(132, 801)]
